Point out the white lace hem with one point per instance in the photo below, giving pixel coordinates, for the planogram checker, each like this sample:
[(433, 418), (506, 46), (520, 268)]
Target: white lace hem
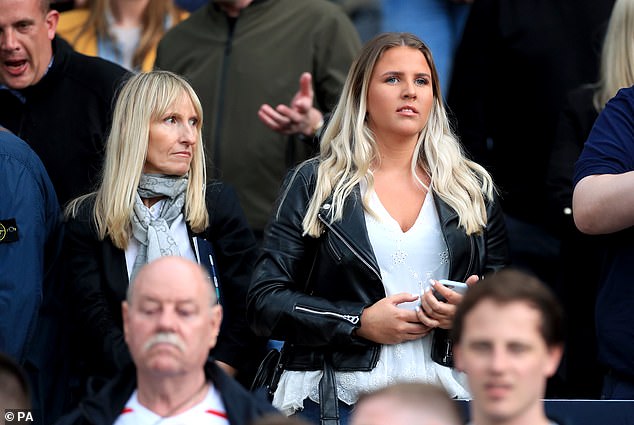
[(397, 363)]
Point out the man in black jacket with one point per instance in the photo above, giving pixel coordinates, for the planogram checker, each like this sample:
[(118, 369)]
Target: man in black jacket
[(55, 99), (171, 320), (59, 102)]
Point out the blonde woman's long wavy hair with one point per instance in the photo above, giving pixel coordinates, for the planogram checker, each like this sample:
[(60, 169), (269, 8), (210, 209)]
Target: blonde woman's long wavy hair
[(144, 98), (617, 55), (348, 148), (153, 24)]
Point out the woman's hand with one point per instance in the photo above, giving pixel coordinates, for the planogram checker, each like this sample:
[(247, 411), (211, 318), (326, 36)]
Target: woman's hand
[(440, 314), (385, 323)]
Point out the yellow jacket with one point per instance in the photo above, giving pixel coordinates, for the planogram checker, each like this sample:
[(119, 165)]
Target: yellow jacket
[(71, 22)]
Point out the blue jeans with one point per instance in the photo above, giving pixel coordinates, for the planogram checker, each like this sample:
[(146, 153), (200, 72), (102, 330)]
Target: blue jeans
[(311, 412), (439, 23)]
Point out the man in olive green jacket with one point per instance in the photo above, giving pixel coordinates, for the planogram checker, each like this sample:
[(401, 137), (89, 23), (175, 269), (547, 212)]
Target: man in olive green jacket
[(242, 56)]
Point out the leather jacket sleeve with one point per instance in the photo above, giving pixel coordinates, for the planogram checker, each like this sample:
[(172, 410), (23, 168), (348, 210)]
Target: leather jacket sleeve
[(279, 303), (496, 243)]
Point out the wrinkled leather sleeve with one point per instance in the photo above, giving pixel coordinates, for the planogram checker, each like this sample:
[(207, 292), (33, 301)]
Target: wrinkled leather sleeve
[(279, 304), (496, 251)]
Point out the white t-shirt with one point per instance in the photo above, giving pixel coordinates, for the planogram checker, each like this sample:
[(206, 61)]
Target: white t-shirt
[(210, 411)]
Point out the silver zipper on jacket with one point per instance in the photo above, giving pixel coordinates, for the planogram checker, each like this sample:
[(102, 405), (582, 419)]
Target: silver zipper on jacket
[(347, 317), (349, 246)]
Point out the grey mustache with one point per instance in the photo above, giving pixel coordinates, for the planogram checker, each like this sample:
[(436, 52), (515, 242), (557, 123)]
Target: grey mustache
[(164, 338)]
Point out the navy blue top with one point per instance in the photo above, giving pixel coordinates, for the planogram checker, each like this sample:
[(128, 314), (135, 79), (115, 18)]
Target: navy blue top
[(610, 150), (30, 227)]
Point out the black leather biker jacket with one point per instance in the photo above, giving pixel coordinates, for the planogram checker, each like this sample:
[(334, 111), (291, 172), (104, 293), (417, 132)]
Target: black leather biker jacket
[(310, 292)]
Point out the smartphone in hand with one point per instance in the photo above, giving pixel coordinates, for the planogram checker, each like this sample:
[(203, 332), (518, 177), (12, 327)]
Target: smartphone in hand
[(458, 287)]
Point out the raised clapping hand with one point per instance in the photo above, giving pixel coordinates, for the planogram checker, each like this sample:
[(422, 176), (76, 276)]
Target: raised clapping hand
[(299, 117)]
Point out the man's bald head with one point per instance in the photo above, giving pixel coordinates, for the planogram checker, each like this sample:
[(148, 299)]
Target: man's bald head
[(171, 320), (178, 268)]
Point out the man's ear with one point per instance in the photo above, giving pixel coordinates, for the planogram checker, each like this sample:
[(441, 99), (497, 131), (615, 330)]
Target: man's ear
[(554, 358), (51, 20), (126, 314), (215, 319)]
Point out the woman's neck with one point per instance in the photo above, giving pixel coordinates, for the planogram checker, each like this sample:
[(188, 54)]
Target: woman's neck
[(149, 202)]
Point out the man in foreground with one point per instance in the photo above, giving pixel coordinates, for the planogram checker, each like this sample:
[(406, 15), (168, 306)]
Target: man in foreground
[(171, 320), (508, 336)]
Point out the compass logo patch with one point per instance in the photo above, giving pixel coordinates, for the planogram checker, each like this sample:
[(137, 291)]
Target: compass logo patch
[(8, 230)]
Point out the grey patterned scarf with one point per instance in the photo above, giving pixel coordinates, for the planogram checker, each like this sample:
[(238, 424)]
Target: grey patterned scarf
[(153, 234)]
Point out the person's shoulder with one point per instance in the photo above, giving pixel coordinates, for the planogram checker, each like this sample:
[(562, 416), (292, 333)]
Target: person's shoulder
[(91, 73), (622, 105), (319, 12), (306, 169), (246, 404), (321, 6), (219, 188), (14, 148), (186, 23), (71, 20), (97, 70), (12, 145), (625, 93)]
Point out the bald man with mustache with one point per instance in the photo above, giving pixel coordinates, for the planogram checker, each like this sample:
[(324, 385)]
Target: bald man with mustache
[(171, 321)]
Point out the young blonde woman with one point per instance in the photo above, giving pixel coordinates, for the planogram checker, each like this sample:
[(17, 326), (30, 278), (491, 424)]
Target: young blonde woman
[(390, 202), (121, 31)]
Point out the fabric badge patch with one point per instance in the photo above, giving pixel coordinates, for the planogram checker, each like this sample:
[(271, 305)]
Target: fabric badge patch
[(8, 230)]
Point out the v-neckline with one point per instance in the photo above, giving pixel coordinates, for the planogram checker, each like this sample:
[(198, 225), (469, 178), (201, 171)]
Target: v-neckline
[(393, 222)]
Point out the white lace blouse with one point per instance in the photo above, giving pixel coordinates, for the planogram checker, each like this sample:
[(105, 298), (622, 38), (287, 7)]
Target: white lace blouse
[(407, 260)]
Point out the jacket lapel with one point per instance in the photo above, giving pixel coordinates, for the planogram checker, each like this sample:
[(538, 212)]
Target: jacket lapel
[(115, 269), (352, 226)]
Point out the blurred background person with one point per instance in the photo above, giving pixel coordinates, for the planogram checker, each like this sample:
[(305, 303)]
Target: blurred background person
[(30, 242), (509, 336), (602, 204), (515, 64), (30, 236), (58, 102), (366, 16), (244, 59), (152, 201), (14, 387), (346, 257), (581, 255), (121, 31), (439, 23), (407, 404)]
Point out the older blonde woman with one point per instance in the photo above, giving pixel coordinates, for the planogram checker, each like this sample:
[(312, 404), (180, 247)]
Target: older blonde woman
[(153, 201)]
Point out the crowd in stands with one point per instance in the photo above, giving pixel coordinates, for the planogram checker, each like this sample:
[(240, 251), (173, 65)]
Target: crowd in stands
[(188, 184)]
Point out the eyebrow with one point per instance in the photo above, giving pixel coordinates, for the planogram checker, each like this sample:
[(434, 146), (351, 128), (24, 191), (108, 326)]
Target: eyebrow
[(25, 21), (419, 74)]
